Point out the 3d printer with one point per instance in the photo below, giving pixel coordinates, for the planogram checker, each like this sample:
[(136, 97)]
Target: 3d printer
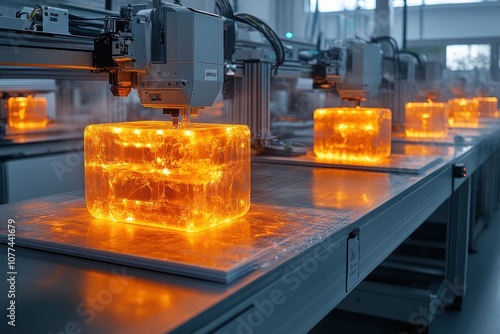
[(171, 54)]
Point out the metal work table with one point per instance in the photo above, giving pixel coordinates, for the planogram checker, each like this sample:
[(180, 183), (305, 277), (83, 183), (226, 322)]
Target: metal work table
[(57, 153), (288, 292), (54, 139)]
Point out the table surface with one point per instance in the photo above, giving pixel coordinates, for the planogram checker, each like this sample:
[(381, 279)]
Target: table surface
[(62, 293)]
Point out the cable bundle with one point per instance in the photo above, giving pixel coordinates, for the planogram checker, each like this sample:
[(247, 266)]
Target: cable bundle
[(268, 33), (225, 10), (84, 26)]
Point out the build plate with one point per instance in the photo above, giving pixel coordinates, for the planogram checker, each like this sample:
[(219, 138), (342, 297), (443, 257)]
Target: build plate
[(395, 163), (267, 233)]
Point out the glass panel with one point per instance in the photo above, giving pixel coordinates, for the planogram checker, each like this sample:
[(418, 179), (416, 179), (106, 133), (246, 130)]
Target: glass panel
[(467, 57), (336, 6), (445, 2), (400, 3), (327, 6)]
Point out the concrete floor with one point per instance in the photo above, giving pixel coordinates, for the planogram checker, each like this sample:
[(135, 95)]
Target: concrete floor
[(480, 313), (481, 305)]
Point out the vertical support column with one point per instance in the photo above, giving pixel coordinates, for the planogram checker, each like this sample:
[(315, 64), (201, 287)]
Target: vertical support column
[(236, 101), (257, 84), (384, 22), (457, 245), (3, 114), (3, 184), (384, 18), (398, 108), (494, 61), (497, 177)]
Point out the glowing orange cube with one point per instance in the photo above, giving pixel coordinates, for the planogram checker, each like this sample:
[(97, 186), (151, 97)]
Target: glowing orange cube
[(426, 120), (150, 173), (488, 106), (352, 134), (27, 112), (464, 113)]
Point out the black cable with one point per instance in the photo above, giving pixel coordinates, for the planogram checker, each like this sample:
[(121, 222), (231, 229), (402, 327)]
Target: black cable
[(229, 8), (18, 14), (86, 23), (389, 39), (395, 51), (97, 29), (225, 10), (79, 31), (268, 33), (36, 10), (414, 54), (81, 18), (220, 8), (85, 26), (405, 14), (318, 41)]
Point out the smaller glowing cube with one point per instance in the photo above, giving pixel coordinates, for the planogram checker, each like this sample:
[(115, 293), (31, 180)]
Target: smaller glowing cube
[(426, 120), (488, 106), (464, 113), (352, 134), (151, 173), (27, 112)]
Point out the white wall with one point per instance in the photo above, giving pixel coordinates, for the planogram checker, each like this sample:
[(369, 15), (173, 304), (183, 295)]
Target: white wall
[(263, 9), (458, 21), (450, 22)]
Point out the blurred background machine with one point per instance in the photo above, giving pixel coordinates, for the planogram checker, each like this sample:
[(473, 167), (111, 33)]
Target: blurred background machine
[(171, 54)]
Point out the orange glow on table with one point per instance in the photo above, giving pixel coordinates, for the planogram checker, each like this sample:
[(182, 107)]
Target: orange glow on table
[(339, 189), (464, 113), (352, 134), (27, 112), (150, 173), (122, 296), (488, 106), (426, 120)]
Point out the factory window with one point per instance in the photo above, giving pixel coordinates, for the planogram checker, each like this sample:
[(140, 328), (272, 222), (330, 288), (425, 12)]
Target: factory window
[(409, 3), (400, 3), (466, 57), (337, 6)]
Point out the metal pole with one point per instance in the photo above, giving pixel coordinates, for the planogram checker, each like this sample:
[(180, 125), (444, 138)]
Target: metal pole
[(405, 13)]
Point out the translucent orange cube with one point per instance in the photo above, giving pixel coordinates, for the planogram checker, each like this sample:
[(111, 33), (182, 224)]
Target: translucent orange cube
[(352, 134), (426, 120), (464, 113), (27, 112), (150, 173), (488, 106)]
